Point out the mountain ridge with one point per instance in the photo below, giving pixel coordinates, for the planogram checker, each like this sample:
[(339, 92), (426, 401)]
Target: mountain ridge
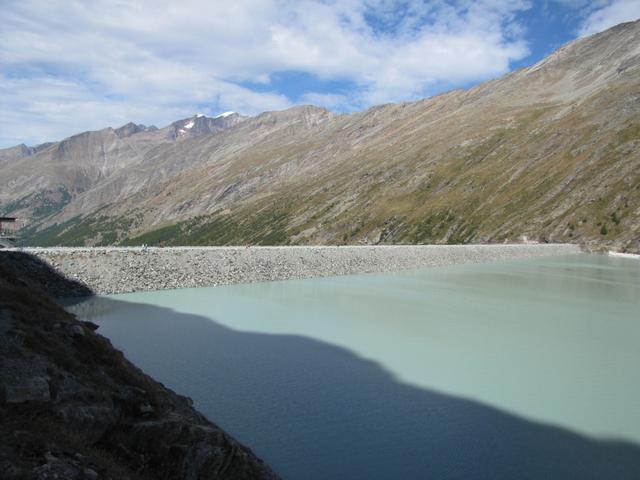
[(546, 152)]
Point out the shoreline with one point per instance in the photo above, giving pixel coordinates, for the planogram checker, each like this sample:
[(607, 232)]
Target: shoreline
[(73, 407), (112, 270), (634, 256)]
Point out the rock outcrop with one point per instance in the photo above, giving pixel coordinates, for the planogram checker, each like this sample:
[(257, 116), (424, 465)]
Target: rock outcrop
[(73, 407)]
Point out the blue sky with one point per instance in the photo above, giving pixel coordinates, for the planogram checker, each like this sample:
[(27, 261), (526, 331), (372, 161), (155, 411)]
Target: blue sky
[(70, 66)]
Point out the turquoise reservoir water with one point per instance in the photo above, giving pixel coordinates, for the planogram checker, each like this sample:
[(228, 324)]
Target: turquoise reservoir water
[(517, 369)]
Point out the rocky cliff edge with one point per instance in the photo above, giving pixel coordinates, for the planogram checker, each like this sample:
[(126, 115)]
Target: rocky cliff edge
[(73, 407)]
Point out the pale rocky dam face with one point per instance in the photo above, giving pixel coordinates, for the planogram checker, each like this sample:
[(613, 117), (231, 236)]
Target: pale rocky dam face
[(130, 269), (520, 368)]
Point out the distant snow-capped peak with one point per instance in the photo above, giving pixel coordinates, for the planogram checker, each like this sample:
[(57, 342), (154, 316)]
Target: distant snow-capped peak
[(225, 114)]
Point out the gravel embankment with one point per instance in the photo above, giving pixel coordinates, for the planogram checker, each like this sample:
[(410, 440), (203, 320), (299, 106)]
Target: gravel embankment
[(119, 270)]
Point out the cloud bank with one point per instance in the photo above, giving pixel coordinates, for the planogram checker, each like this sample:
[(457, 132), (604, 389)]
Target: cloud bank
[(607, 15)]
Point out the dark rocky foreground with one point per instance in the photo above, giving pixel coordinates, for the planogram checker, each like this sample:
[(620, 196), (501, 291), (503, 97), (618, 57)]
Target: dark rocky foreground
[(73, 407)]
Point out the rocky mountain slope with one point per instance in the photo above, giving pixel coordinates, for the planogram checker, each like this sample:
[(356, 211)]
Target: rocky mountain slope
[(548, 152), (72, 407)]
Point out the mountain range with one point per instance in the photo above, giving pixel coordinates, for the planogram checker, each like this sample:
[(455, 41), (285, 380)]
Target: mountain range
[(547, 153)]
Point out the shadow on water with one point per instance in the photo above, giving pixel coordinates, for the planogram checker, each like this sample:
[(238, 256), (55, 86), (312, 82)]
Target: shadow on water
[(313, 410)]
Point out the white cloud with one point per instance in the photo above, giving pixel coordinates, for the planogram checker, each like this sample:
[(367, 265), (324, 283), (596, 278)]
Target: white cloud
[(610, 14), (72, 66)]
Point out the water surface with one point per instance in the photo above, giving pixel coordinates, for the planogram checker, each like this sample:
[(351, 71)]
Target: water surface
[(515, 369)]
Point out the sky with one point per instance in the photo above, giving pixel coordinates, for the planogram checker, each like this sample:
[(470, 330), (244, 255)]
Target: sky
[(68, 66)]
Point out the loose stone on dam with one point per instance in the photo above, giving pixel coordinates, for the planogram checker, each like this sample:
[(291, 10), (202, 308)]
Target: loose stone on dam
[(120, 270)]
